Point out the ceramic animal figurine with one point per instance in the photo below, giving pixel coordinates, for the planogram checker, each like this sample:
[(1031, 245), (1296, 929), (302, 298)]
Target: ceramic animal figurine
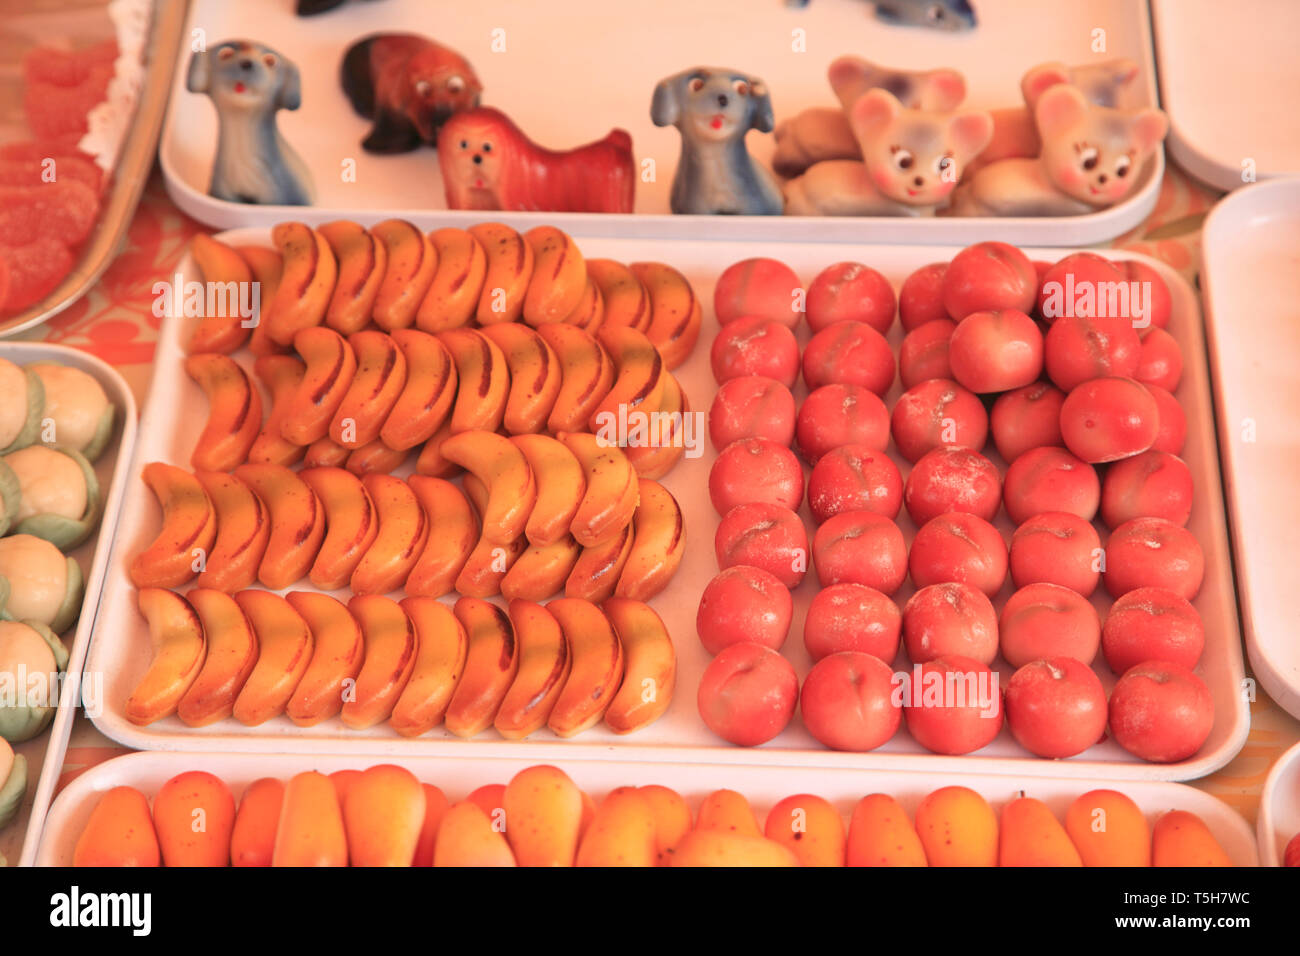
[(823, 133), (310, 8), (249, 83), (911, 161), (948, 15), (409, 86), (713, 108), (1014, 132), (488, 163), (1091, 157)]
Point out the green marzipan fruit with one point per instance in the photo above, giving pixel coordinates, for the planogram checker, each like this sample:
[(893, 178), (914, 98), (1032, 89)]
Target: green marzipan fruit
[(35, 409), (63, 532), (23, 723), (13, 790)]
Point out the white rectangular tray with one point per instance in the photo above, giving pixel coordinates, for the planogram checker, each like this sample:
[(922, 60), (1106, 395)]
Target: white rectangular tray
[(1279, 808), (121, 648), (1251, 277), (1228, 79), (44, 752), (574, 69), (457, 778)]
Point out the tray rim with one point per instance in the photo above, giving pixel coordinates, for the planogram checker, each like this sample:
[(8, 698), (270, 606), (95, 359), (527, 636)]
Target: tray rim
[(66, 712), (1183, 796), (1265, 824), (118, 729), (1062, 232), (1286, 693), (1194, 157)]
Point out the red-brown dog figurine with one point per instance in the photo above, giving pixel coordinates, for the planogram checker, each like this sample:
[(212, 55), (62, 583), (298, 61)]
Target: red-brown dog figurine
[(409, 86), (488, 163)]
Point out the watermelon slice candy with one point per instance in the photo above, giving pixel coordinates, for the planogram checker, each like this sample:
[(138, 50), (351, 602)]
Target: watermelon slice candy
[(16, 159), (60, 88), (34, 270), (65, 210), (43, 222), (47, 64)]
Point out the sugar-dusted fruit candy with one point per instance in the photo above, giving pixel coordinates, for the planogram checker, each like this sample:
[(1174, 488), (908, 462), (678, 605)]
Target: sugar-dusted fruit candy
[(382, 815), (1181, 838), (837, 415), (435, 806), (727, 811), (860, 547), (252, 840), (810, 827), (672, 816), (852, 617), (1161, 712), (544, 814), (748, 694), (1153, 552), (1107, 419), (847, 702), (752, 406), (1108, 829), (854, 477), (935, 413), (1056, 707), (1050, 479), (959, 547), (759, 287), (957, 827), (33, 270), (850, 290), (755, 470), (923, 355), (120, 832), (466, 837), (962, 720), (1030, 835), (1046, 620), (744, 603), (194, 815), (880, 834), (311, 830), (996, 351), (765, 536), (920, 300), (850, 353), (1152, 624), (949, 618)]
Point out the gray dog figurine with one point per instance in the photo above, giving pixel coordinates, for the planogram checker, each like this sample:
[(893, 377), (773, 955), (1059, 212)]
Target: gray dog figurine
[(713, 109), (249, 83)]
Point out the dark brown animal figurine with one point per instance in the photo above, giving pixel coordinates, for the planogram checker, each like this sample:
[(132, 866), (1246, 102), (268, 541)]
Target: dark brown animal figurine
[(409, 86), (488, 163)]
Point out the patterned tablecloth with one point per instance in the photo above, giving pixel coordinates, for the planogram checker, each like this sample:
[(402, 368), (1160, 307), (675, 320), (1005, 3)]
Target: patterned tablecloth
[(115, 322)]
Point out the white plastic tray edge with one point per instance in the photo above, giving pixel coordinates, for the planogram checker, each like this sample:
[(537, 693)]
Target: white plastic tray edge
[(121, 395), (1199, 158), (113, 724), (842, 786), (1085, 230), (1226, 218), (1279, 808)]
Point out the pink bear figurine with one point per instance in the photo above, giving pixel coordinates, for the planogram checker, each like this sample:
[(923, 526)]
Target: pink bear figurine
[(1014, 131), (823, 133), (912, 160), (1091, 157)]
